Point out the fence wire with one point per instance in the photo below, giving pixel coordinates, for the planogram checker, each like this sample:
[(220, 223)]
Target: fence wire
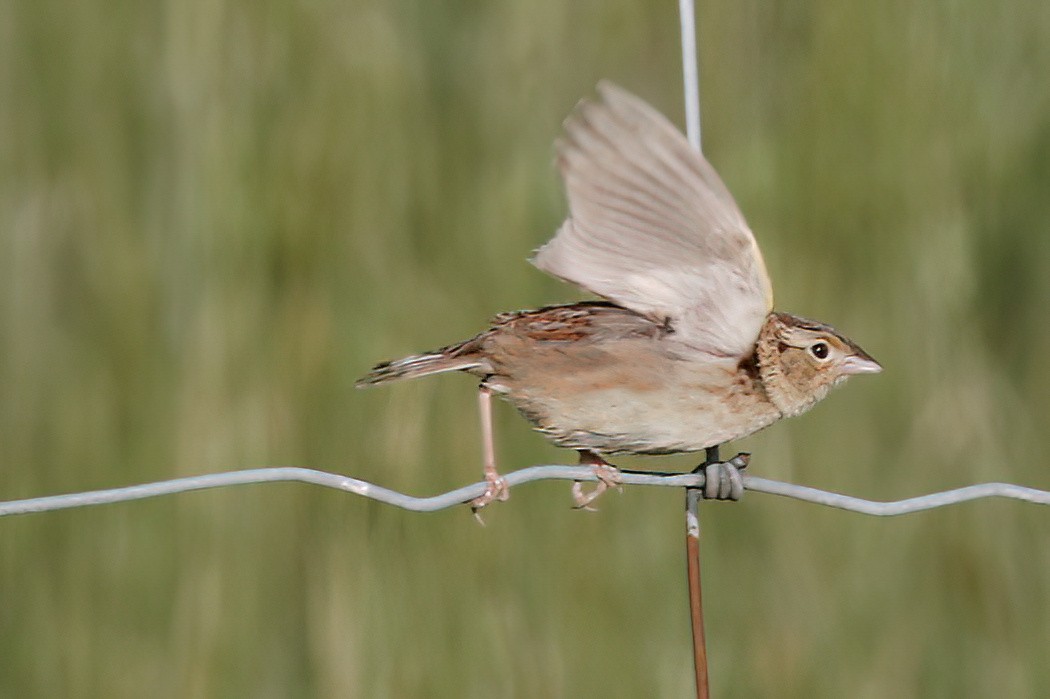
[(526, 475)]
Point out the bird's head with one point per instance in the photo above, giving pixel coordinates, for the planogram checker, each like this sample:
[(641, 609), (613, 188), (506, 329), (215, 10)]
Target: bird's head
[(800, 360)]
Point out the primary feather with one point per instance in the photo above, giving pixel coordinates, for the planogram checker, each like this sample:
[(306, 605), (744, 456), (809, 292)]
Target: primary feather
[(653, 228)]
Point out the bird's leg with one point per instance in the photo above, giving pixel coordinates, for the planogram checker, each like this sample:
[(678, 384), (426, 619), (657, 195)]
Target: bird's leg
[(497, 487), (722, 479), (608, 477)]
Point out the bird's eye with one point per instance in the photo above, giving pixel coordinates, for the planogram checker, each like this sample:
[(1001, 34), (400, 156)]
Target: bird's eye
[(819, 350)]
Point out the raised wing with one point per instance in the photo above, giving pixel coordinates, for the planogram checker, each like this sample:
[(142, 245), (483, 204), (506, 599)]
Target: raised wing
[(652, 228)]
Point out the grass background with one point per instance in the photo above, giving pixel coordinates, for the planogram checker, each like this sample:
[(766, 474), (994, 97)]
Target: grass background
[(215, 214)]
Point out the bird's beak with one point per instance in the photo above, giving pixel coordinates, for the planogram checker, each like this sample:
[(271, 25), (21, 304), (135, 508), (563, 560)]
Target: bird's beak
[(860, 364)]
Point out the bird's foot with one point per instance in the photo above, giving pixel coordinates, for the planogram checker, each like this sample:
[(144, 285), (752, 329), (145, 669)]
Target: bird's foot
[(496, 489), (723, 480), (608, 477)]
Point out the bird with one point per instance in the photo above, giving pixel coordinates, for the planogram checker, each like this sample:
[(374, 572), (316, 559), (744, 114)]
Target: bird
[(682, 351)]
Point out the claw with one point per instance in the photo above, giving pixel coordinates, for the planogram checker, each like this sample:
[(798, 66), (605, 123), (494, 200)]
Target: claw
[(497, 490), (608, 477)]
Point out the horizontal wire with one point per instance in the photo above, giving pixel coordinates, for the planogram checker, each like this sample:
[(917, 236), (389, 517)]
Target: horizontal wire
[(525, 475)]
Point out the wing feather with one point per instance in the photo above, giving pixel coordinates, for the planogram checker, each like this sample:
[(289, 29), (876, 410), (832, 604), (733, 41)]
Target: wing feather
[(653, 228)]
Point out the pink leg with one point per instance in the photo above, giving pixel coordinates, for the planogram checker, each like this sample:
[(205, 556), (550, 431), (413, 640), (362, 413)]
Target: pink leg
[(497, 489), (488, 447), (608, 477)]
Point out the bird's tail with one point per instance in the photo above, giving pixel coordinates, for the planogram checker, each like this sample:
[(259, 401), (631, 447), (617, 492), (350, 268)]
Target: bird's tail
[(417, 365)]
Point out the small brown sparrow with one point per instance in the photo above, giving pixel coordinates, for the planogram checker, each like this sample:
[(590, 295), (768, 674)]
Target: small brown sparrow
[(686, 351)]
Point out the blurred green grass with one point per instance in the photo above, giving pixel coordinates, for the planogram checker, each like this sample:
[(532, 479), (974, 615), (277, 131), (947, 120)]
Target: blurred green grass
[(215, 215)]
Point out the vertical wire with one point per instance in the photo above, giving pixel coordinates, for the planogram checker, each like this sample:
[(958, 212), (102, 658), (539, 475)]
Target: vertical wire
[(691, 86), (690, 72)]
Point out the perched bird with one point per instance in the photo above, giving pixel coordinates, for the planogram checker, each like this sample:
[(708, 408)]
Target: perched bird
[(685, 352)]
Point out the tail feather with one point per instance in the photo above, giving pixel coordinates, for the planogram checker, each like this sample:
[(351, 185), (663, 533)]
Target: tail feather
[(416, 365)]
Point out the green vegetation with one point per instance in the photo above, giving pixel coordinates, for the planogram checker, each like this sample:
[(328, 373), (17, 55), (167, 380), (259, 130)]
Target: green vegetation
[(215, 215)]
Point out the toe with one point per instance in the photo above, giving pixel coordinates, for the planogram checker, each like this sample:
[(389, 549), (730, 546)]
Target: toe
[(582, 500), (496, 489)]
